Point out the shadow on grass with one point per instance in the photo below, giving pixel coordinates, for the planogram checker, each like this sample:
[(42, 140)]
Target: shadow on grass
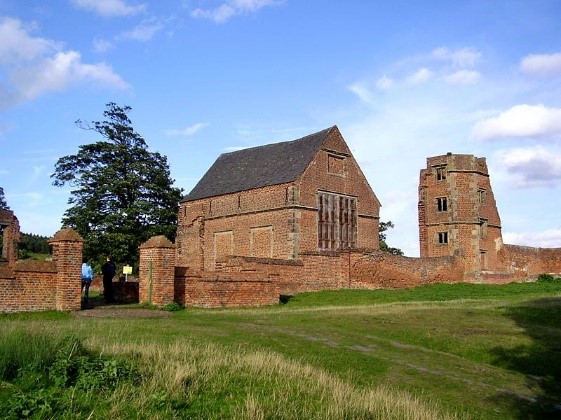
[(539, 361), (96, 302)]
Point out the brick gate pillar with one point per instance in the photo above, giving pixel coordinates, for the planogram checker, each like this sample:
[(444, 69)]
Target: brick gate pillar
[(67, 255), (157, 271)]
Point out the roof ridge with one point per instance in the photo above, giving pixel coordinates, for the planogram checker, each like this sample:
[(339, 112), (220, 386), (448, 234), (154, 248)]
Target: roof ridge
[(280, 142), (259, 166)]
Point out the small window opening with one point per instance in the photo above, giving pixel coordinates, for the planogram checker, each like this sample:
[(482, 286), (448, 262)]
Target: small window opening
[(442, 204), (441, 173), (482, 194), (442, 237)]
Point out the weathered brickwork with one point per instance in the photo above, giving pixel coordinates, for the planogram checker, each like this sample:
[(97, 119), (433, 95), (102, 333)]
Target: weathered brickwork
[(277, 221), (380, 270), (45, 285), (458, 216), (9, 225), (224, 289), (157, 271)]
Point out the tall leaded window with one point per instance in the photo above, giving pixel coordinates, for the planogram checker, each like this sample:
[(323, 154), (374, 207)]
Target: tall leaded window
[(441, 204), (337, 221)]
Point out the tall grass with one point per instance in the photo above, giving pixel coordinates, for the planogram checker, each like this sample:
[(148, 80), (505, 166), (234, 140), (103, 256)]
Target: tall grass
[(212, 382), (22, 350)]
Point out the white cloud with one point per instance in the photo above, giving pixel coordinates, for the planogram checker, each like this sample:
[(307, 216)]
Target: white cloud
[(546, 239), (463, 77), (532, 166), (35, 66), (362, 92), (17, 46), (60, 72), (420, 76), (143, 32), (465, 57), (232, 8), (102, 46), (384, 83), (520, 121), (188, 131), (541, 64), (110, 8)]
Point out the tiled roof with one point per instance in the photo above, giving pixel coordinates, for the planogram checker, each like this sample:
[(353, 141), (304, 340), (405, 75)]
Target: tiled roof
[(246, 169)]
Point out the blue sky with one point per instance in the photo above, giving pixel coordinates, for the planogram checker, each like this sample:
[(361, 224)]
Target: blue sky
[(403, 80)]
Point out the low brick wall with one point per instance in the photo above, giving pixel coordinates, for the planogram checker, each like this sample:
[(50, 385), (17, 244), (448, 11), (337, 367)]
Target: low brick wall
[(213, 289), (30, 286), (527, 263), (314, 272), (250, 281), (126, 291), (380, 270)]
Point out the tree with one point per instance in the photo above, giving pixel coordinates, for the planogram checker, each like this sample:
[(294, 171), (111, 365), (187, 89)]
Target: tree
[(3, 206), (384, 226), (3, 203), (122, 193)]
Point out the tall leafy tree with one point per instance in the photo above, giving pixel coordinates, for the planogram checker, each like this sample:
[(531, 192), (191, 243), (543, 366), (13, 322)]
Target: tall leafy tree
[(3, 203), (122, 194), (384, 226)]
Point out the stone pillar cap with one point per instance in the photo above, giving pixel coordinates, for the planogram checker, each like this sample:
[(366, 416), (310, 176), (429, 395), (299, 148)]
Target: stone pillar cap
[(66, 235), (159, 241)]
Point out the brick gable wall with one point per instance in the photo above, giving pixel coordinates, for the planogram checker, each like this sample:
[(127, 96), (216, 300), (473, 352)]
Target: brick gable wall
[(279, 221)]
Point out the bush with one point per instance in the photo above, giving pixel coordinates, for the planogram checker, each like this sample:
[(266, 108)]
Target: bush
[(547, 278), (43, 376)]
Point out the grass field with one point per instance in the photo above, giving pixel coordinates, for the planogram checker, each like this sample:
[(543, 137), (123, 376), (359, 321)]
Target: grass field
[(441, 351)]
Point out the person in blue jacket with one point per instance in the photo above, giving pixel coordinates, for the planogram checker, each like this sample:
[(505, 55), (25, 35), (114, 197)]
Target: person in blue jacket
[(87, 277)]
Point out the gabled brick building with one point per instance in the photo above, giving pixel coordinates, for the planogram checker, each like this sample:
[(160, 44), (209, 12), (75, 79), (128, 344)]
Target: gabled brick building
[(279, 201)]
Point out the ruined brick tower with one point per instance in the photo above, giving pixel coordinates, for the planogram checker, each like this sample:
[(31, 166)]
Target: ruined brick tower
[(458, 214)]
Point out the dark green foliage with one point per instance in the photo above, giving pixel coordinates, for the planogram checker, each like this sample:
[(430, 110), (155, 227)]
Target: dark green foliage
[(384, 226), (3, 206), (32, 244), (172, 307), (122, 193), (3, 203), (548, 278), (43, 376)]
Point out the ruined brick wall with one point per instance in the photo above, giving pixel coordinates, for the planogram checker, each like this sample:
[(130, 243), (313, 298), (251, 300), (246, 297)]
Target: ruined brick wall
[(379, 270), (45, 285), (527, 263), (246, 281), (9, 224), (458, 214)]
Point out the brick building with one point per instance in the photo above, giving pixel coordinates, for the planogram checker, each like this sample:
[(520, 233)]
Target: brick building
[(457, 211), (279, 201), (458, 217)]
